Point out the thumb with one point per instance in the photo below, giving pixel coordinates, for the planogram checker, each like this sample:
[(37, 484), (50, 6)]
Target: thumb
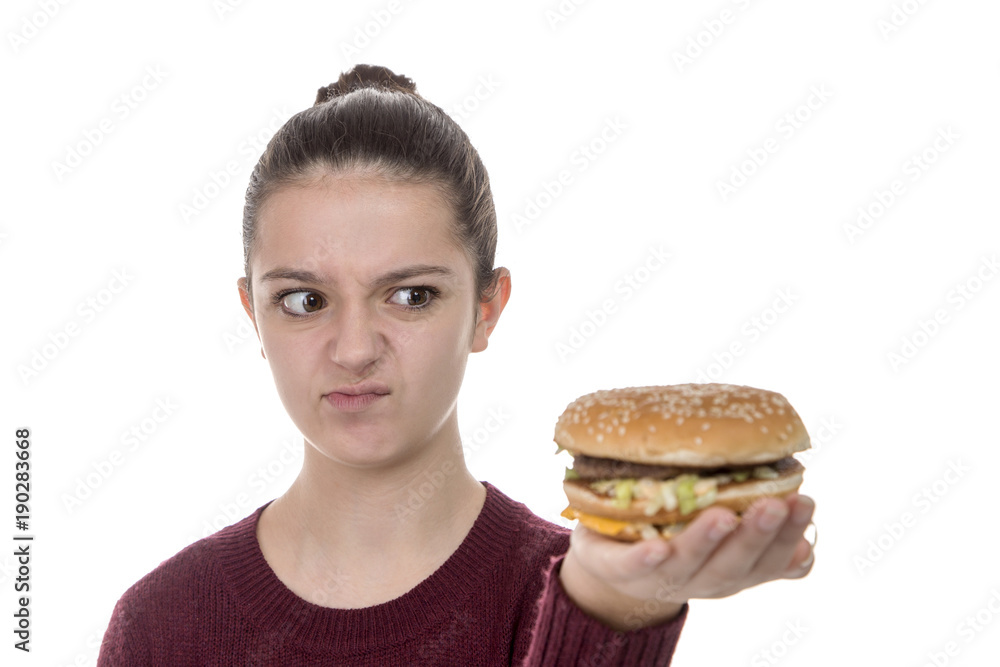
[(613, 560)]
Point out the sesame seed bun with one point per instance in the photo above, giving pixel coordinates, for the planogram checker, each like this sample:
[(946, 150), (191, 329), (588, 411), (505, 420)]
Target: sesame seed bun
[(698, 425), (709, 432)]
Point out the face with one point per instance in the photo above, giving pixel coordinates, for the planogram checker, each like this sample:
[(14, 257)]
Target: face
[(366, 310)]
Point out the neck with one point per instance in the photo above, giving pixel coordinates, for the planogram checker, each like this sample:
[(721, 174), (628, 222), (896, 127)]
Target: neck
[(374, 532)]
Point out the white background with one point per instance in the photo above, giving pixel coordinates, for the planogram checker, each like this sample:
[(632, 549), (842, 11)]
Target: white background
[(897, 573)]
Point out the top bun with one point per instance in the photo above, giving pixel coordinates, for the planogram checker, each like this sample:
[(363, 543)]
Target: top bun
[(365, 76), (699, 425)]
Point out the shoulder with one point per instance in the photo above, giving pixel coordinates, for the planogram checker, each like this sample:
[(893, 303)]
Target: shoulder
[(534, 537), (164, 613), (186, 578)]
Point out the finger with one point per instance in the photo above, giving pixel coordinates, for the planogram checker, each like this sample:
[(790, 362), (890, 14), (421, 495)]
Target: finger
[(780, 554), (696, 544), (617, 561), (802, 561), (802, 558), (737, 557)]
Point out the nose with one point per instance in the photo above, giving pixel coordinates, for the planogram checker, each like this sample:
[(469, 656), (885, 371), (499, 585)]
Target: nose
[(355, 343)]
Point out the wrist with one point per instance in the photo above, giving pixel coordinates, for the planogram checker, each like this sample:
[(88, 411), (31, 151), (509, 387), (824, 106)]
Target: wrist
[(604, 602)]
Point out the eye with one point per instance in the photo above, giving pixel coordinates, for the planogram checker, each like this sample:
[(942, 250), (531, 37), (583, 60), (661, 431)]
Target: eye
[(301, 302), (413, 298)]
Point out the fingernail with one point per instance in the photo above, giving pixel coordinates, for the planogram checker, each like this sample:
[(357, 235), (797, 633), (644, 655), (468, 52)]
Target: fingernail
[(722, 528), (808, 561), (772, 517)]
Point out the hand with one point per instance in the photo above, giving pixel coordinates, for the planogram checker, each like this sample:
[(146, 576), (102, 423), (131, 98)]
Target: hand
[(628, 586)]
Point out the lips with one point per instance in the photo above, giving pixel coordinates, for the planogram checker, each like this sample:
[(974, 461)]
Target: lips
[(357, 397)]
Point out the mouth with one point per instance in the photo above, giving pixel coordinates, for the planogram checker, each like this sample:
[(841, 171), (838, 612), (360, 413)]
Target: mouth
[(356, 397)]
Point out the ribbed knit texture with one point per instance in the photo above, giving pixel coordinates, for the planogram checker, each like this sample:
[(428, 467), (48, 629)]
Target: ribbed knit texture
[(217, 602)]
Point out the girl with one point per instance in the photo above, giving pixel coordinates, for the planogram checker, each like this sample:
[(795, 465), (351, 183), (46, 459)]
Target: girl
[(369, 237)]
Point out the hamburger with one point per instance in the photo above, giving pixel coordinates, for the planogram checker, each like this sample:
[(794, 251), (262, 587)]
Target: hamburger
[(648, 460)]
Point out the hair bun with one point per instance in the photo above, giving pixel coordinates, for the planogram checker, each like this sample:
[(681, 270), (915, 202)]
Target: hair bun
[(366, 76)]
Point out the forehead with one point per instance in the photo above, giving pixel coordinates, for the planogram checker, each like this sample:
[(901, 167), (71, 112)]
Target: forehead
[(356, 222)]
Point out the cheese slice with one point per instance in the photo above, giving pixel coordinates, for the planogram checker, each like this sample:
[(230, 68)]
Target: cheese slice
[(598, 523)]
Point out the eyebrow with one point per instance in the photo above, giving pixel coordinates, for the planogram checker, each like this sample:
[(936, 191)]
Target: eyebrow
[(395, 276)]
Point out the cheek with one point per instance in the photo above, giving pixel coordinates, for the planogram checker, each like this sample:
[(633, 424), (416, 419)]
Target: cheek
[(290, 355), (433, 346)]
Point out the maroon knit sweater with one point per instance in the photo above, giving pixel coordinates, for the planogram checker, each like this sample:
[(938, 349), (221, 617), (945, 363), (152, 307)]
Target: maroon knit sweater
[(496, 601)]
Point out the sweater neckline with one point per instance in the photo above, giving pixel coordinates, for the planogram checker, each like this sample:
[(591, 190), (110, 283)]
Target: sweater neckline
[(263, 598)]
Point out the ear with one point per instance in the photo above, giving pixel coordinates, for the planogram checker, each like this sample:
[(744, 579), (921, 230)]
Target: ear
[(241, 284), (489, 311)]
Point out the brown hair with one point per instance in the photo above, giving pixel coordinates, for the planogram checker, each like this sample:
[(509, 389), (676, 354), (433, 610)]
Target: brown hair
[(373, 120)]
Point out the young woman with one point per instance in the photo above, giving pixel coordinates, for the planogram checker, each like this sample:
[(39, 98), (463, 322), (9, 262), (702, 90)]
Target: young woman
[(369, 236)]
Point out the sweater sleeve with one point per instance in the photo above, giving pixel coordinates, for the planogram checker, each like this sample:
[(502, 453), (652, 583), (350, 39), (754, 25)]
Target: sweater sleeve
[(124, 643), (565, 635)]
